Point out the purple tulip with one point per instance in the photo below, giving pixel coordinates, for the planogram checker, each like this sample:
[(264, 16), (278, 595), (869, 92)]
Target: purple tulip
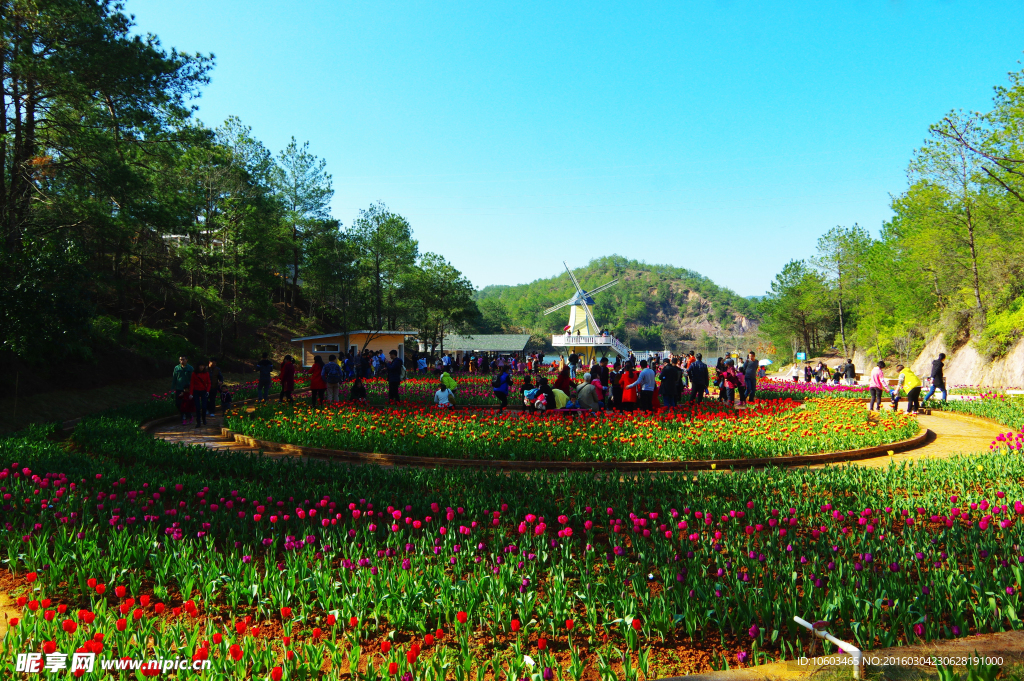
[(753, 631)]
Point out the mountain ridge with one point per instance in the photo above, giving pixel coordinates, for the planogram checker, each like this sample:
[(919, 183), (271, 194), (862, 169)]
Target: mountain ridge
[(653, 306)]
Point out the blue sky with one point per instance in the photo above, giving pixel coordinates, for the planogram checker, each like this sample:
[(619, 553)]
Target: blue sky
[(724, 137)]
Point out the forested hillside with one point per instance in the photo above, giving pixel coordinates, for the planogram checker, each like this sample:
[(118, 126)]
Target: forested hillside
[(652, 306), (131, 231), (950, 261)]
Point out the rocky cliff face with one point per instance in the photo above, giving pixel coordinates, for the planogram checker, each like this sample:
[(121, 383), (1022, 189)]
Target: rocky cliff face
[(966, 366)]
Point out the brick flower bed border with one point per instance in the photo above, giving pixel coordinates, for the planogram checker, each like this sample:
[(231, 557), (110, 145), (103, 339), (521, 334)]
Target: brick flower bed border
[(502, 464)]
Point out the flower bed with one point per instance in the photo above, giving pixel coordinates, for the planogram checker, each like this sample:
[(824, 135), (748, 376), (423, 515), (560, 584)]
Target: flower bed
[(472, 390), (769, 388), (1006, 409), (130, 547), (707, 432)]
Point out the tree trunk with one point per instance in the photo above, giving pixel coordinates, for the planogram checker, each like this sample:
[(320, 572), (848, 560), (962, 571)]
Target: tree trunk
[(295, 264), (974, 258), (842, 326), (3, 132)]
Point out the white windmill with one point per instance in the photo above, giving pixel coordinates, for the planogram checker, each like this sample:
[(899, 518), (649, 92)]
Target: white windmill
[(582, 334)]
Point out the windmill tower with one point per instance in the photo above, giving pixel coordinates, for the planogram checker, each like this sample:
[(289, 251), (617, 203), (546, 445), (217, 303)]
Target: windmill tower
[(583, 334)]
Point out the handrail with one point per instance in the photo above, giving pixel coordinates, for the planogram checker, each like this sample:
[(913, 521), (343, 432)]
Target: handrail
[(818, 629)]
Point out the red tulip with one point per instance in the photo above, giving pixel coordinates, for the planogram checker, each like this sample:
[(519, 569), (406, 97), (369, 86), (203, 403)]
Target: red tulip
[(461, 617), (542, 644), (636, 624), (101, 589), (276, 674), (49, 647), (236, 652), (240, 628), (119, 591), (385, 647), (428, 640), (31, 577), (68, 625), (217, 638), (515, 625), (121, 624), (393, 668), (352, 621), (569, 624), (286, 613)]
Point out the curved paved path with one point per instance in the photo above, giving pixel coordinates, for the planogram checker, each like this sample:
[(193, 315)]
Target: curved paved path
[(954, 434)]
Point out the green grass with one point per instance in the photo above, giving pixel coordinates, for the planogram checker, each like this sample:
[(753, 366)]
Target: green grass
[(69, 403)]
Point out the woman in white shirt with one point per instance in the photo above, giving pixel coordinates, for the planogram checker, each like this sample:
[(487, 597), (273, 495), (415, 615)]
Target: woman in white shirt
[(444, 397)]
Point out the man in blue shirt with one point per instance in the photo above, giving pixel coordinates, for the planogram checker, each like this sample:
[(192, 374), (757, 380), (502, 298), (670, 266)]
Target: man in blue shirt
[(646, 382)]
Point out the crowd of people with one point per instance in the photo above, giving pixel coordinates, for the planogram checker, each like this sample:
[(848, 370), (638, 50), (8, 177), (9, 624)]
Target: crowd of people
[(845, 372), (623, 385), (648, 385), (196, 390)]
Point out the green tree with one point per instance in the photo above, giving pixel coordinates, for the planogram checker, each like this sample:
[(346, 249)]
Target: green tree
[(841, 253), (305, 191), (89, 114), (443, 299), (386, 255), (794, 309)]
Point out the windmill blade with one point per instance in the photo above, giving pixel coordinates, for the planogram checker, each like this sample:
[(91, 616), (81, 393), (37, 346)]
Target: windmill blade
[(573, 277), (559, 306), (590, 317), (603, 287)]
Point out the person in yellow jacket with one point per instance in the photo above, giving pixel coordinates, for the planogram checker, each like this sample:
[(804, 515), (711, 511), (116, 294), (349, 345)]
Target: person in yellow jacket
[(908, 381), (560, 399), (449, 382)]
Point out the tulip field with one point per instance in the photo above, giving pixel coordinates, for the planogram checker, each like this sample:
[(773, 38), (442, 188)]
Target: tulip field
[(708, 431), (998, 406), (125, 546)]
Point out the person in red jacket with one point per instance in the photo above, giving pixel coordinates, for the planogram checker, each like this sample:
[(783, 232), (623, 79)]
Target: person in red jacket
[(287, 379), (629, 398), (317, 385), (200, 391)]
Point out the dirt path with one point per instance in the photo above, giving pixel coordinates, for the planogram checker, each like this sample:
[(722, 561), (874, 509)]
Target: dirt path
[(954, 434), (209, 436)]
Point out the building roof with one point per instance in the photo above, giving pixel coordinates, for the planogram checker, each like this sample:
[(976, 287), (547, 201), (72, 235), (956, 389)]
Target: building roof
[(339, 334), (502, 342)]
